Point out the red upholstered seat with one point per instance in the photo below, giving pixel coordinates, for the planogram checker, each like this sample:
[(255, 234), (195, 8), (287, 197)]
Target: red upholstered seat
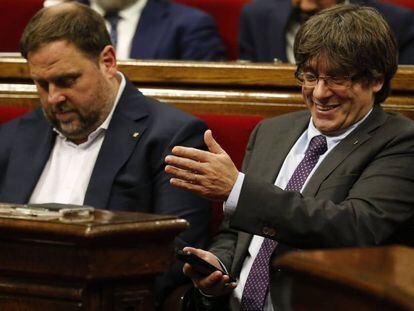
[(14, 16), (407, 3), (232, 132), (10, 112), (227, 16)]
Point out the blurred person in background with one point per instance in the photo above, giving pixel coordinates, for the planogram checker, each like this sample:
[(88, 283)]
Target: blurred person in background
[(268, 27)]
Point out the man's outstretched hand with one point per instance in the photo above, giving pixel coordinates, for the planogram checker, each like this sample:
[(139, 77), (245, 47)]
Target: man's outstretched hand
[(210, 174)]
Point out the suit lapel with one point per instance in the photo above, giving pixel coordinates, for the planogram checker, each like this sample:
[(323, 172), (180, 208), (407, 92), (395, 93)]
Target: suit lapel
[(243, 242), (151, 27), (125, 129), (348, 145), (34, 143), (278, 146)]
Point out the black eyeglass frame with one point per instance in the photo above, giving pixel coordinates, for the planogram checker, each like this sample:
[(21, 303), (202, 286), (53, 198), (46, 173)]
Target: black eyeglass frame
[(343, 82)]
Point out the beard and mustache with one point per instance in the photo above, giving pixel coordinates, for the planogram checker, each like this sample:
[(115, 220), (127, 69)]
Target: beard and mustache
[(79, 127)]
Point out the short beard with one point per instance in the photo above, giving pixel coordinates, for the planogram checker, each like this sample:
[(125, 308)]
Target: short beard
[(81, 131)]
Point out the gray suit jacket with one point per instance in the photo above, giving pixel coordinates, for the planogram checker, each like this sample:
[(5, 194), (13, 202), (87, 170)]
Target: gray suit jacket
[(360, 195)]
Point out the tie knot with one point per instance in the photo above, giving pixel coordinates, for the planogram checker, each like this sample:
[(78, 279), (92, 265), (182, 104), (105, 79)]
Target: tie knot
[(112, 17), (318, 145)]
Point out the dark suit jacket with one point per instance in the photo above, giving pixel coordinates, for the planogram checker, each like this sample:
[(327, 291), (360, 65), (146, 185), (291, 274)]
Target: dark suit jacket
[(129, 171), (168, 30), (263, 26), (360, 195)]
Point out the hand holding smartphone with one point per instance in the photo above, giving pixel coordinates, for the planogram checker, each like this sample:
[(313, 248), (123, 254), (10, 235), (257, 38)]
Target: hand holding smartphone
[(200, 265)]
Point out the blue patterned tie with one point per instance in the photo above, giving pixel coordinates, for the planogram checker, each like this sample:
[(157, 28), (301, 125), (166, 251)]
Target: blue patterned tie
[(113, 18), (257, 283)]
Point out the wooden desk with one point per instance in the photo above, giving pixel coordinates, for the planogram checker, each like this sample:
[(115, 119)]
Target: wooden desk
[(380, 278), (105, 263)]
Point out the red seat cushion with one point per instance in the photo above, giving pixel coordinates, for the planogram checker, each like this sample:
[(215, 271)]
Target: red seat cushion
[(232, 132), (14, 16), (8, 113), (407, 3), (227, 16)]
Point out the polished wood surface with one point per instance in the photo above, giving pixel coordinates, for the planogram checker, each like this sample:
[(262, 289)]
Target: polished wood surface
[(206, 87), (107, 262), (377, 278)]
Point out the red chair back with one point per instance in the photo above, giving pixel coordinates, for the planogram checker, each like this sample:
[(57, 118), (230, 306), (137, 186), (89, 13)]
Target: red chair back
[(8, 113), (232, 132), (227, 16), (406, 3), (14, 16)]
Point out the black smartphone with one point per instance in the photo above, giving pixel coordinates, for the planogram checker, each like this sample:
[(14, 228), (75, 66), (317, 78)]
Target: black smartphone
[(199, 264)]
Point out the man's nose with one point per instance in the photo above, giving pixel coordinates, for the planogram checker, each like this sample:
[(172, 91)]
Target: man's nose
[(321, 90), (55, 95)]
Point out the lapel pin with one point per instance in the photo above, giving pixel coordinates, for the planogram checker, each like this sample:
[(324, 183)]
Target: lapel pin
[(135, 135), (355, 142)]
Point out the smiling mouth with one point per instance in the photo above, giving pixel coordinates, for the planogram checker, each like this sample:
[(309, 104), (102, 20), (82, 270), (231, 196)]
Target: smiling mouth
[(326, 107)]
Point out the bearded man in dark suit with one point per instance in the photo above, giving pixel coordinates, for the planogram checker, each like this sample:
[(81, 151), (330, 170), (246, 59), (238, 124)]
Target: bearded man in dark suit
[(96, 140)]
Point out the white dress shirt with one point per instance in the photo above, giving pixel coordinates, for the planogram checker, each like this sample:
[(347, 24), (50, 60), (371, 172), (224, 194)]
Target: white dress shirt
[(65, 177), (294, 157), (127, 26)]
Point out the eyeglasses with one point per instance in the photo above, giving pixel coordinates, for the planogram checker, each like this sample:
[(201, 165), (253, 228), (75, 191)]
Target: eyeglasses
[(308, 79)]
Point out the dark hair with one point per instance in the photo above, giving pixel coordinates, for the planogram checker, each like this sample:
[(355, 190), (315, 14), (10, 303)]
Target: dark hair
[(74, 22), (353, 39)]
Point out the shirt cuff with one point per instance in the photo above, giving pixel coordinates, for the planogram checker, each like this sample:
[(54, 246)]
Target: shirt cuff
[(229, 206)]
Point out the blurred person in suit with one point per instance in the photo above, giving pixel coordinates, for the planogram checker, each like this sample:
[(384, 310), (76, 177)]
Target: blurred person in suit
[(268, 27), (159, 29)]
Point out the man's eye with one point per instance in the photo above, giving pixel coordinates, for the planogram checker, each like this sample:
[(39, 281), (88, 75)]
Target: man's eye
[(310, 77), (338, 80), (66, 82)]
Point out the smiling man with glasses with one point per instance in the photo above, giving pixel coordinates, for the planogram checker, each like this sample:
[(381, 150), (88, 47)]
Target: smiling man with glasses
[(338, 174)]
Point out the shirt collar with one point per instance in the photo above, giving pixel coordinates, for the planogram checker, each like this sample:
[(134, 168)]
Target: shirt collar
[(332, 140)]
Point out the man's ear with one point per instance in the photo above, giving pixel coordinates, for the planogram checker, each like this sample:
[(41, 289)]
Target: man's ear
[(107, 61), (377, 85)]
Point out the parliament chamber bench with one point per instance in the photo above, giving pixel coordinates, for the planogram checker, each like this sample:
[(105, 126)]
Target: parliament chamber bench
[(231, 97)]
